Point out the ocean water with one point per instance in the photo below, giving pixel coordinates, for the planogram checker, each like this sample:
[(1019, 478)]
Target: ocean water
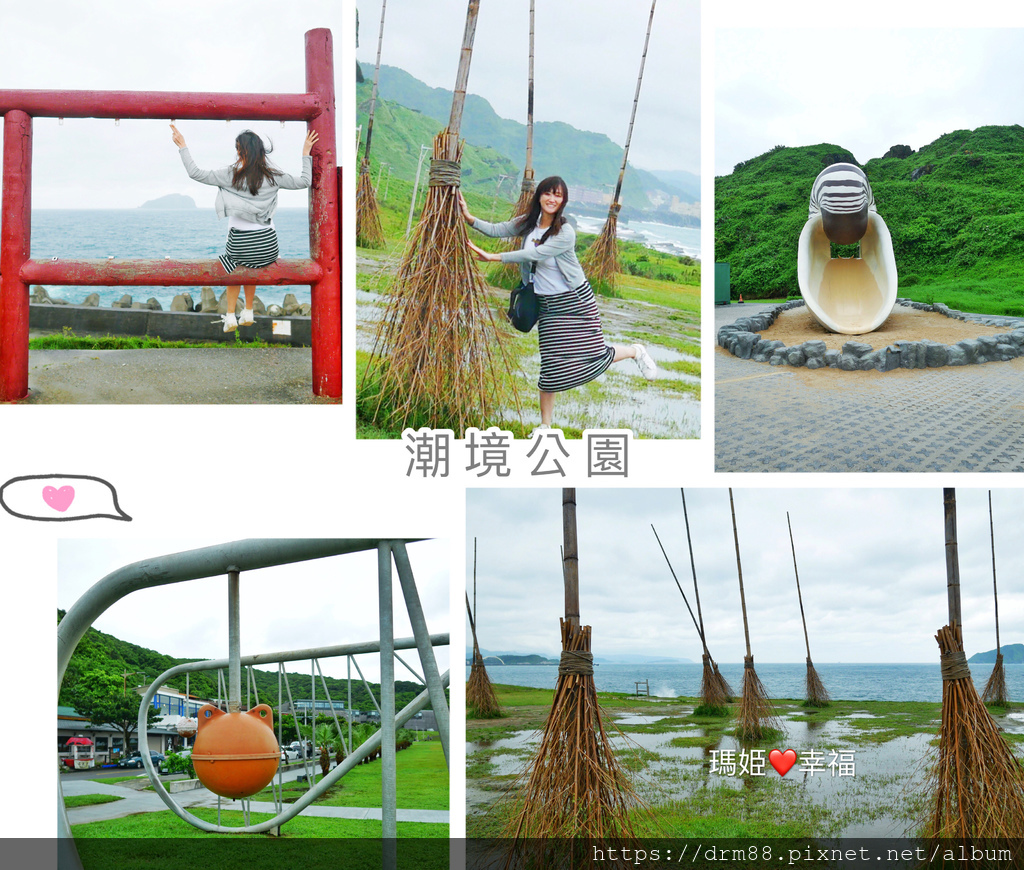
[(153, 234), (667, 238), (848, 682)]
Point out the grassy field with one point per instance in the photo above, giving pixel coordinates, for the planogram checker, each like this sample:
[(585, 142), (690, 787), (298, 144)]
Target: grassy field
[(88, 800), (676, 763)]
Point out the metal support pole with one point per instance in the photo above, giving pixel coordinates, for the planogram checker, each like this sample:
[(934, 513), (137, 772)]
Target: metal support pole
[(415, 188), (419, 629), (15, 249), (324, 219), (389, 766), (234, 646)]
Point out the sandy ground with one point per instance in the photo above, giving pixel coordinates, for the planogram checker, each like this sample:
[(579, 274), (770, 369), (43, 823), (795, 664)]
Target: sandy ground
[(904, 324)]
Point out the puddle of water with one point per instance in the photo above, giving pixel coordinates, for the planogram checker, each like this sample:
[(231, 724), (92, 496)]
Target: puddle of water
[(638, 720)]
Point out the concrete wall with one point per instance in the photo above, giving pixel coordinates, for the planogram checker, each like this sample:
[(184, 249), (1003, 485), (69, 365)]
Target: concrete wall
[(168, 325)]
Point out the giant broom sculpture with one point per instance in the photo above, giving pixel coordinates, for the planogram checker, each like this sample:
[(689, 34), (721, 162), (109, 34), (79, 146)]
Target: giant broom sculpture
[(369, 233), (978, 783), (817, 694), (717, 686), (712, 696), (576, 788), (481, 702), (995, 688), (440, 359), (757, 714), (508, 274), (601, 261)]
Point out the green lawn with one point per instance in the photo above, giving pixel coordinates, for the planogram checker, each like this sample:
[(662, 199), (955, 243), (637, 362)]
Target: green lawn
[(422, 782), (88, 800)]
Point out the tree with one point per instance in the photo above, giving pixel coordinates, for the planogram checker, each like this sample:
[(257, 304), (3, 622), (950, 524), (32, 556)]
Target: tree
[(103, 700)]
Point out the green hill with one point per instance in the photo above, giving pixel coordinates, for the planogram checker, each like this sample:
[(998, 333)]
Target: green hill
[(583, 158), (954, 209), (110, 655), (1013, 654)]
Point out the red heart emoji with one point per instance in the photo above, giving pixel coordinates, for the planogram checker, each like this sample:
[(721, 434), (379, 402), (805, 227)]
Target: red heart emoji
[(782, 761)]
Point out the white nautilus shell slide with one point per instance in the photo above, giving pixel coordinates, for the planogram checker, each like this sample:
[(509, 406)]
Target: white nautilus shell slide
[(849, 295)]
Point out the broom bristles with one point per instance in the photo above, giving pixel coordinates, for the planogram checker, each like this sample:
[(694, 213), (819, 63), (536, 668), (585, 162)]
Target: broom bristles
[(440, 358), (712, 694), (995, 689), (817, 694), (369, 233), (979, 784), (757, 716), (480, 697), (601, 261), (509, 274), (575, 786), (726, 688)]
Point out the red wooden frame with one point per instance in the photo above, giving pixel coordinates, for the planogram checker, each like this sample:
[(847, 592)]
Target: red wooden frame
[(322, 271)]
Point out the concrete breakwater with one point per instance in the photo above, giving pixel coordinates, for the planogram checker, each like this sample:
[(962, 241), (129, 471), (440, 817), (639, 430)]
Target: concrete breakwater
[(287, 324)]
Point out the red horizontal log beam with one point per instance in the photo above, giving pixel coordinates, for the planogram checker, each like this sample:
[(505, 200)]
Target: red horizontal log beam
[(161, 104), (164, 273)]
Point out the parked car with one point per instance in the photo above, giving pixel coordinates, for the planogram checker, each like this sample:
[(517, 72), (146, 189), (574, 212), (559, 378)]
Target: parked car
[(134, 759), (290, 753)]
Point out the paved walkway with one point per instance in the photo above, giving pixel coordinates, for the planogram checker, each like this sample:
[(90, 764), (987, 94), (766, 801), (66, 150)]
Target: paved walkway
[(148, 802), (780, 418), (276, 375)]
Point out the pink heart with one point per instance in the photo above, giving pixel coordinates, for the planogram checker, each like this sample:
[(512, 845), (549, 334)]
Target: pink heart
[(59, 499)]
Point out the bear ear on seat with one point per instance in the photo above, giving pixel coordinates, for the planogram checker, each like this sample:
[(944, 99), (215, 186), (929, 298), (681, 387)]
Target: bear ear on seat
[(207, 713), (264, 713)]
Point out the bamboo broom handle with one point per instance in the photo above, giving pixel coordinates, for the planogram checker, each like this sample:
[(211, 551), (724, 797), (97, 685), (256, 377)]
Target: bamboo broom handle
[(376, 81), (739, 571), (693, 566), (473, 618), (799, 597), (636, 99), (528, 170), (995, 591), (462, 79), (952, 561), (700, 632), (570, 564)]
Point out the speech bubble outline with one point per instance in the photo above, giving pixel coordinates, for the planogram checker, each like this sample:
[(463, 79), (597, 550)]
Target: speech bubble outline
[(120, 515)]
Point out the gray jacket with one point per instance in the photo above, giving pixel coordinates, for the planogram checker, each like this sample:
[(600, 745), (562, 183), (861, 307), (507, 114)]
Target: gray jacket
[(240, 203), (561, 246)]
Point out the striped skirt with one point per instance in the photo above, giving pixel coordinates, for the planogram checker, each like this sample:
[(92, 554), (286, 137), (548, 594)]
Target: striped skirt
[(254, 249), (572, 348)]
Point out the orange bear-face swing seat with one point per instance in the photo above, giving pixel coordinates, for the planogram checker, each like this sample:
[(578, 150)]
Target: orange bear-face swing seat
[(235, 754)]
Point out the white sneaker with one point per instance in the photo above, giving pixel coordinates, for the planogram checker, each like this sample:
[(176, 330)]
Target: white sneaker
[(538, 428), (230, 322), (644, 362), (247, 318)]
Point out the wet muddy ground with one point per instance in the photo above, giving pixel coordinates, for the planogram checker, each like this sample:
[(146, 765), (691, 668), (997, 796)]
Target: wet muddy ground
[(861, 770), (668, 407)]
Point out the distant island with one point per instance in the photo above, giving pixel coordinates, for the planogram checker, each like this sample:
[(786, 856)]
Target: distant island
[(1013, 654), (172, 200)]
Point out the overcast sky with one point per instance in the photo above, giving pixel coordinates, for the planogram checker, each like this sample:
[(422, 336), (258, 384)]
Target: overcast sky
[(191, 45), (586, 59), (871, 562), (879, 88), (323, 602)]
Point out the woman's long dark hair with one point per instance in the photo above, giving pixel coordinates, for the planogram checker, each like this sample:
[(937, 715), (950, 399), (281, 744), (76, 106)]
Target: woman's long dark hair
[(529, 220), (251, 167)]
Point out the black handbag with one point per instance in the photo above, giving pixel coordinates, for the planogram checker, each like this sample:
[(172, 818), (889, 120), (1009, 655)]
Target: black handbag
[(523, 307)]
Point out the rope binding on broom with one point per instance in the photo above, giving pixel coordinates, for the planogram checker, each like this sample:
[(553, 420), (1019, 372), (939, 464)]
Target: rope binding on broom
[(748, 662), (576, 662), (954, 665), (445, 173)]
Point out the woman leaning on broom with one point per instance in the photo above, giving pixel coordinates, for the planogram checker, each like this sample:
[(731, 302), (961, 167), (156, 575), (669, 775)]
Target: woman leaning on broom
[(247, 195), (572, 348)]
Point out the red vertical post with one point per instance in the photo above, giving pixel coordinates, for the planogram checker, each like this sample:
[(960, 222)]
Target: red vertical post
[(324, 211), (15, 249)]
